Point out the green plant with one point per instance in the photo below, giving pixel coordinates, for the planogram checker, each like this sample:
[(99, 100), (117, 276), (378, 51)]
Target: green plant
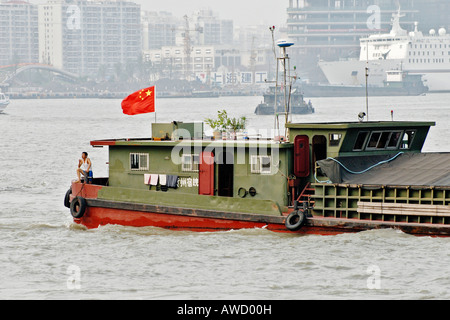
[(224, 123), (236, 124), (219, 124)]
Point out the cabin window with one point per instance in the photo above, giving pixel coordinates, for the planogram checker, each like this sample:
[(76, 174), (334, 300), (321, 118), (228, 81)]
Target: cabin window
[(360, 141), (266, 165), (408, 138), (190, 162), (383, 140), (335, 139), (139, 162), (373, 141), (394, 140), (261, 164)]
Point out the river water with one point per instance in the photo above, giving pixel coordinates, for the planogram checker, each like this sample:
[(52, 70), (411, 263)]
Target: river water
[(43, 255)]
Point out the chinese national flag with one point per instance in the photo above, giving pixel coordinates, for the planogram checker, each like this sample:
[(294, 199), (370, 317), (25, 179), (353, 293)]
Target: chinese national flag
[(140, 102)]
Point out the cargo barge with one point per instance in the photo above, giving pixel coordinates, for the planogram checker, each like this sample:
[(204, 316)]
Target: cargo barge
[(327, 178), (318, 178)]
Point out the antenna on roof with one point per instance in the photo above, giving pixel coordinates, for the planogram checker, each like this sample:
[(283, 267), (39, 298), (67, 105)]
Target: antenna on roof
[(367, 81), (287, 80), (286, 83)]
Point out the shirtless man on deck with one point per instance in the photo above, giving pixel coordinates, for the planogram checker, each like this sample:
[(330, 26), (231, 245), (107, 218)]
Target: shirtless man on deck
[(84, 168)]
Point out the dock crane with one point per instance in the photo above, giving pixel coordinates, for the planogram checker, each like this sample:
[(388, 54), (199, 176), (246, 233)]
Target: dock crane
[(188, 46), (253, 57)]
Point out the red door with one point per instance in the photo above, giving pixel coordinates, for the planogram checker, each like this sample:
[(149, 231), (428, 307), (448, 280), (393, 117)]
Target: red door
[(206, 174), (301, 157)]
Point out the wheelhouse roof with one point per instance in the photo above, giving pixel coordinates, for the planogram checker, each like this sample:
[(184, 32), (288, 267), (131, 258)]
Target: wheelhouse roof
[(205, 143), (360, 125)]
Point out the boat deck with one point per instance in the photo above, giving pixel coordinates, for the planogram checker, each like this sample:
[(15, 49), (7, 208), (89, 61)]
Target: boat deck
[(420, 170)]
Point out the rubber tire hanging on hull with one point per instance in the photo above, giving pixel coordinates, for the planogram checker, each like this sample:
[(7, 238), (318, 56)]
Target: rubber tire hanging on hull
[(67, 198), (78, 207), (295, 220)]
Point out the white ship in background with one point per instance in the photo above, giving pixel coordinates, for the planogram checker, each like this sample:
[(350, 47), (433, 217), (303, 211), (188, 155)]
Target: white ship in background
[(412, 52), (4, 102)]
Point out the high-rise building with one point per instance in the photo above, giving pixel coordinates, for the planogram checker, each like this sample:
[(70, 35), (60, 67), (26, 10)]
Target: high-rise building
[(18, 33), (159, 29), (337, 26), (172, 62), (434, 14), (214, 31), (85, 37)]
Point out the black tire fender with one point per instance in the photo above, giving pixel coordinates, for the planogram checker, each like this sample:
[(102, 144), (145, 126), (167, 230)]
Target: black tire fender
[(67, 198), (295, 220), (78, 207)]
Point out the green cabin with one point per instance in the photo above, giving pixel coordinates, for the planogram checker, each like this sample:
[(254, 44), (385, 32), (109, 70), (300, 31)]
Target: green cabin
[(180, 167)]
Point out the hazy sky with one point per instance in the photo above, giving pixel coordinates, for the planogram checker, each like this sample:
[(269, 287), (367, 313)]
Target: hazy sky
[(243, 12)]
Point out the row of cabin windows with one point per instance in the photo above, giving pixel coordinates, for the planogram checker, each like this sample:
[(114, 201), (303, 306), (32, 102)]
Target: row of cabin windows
[(426, 53), (258, 164), (384, 140), (426, 46), (428, 61), (262, 164), (191, 162)]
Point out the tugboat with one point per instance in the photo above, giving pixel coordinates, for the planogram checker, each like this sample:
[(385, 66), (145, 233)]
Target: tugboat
[(298, 104), (324, 178), (284, 99)]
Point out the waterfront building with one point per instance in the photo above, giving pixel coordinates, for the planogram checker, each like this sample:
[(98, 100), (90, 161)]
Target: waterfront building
[(214, 31), (173, 62), (18, 33), (85, 37), (159, 29)]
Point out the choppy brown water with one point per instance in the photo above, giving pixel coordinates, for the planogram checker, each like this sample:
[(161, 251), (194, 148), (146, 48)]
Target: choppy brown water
[(43, 255)]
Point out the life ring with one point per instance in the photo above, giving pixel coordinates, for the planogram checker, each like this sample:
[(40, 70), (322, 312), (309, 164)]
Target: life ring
[(295, 220), (67, 198), (78, 207), (242, 192)]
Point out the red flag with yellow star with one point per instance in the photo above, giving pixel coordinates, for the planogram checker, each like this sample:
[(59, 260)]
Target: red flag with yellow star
[(142, 101)]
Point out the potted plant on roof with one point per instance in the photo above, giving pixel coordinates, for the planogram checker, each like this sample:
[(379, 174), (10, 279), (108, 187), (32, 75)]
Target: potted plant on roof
[(218, 125), (237, 126)]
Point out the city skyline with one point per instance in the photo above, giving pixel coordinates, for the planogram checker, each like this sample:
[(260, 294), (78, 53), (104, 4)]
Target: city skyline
[(104, 38), (251, 12)]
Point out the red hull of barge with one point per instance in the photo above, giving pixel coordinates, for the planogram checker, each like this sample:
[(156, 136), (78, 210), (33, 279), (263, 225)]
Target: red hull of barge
[(103, 212), (96, 217)]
